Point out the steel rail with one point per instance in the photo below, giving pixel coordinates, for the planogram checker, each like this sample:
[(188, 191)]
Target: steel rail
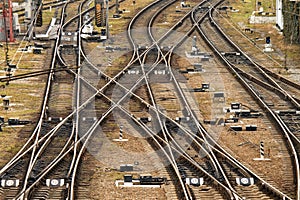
[(164, 131), (268, 77), (183, 153), (46, 96), (213, 159), (268, 71), (78, 81), (275, 116), (134, 118), (44, 145), (256, 96), (276, 87), (202, 131)]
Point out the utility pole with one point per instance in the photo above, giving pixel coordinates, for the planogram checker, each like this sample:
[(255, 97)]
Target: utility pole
[(11, 30), (107, 26), (6, 41), (7, 13)]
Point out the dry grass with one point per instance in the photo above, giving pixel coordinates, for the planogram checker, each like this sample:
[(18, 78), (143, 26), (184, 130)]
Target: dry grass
[(285, 54), (273, 170), (26, 96), (118, 26)]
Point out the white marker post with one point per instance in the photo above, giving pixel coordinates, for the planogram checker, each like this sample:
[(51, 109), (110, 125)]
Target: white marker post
[(262, 152), (121, 133), (109, 61), (120, 136)]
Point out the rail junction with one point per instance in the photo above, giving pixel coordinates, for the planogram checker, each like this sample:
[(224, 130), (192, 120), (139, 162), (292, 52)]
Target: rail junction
[(151, 105)]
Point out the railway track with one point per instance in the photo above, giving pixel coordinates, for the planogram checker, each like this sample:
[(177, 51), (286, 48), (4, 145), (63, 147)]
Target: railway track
[(55, 90), (238, 69), (48, 142), (151, 60), (78, 127), (186, 105), (188, 192)]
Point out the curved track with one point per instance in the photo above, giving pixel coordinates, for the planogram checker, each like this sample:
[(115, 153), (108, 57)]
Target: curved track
[(242, 76), (70, 137)]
